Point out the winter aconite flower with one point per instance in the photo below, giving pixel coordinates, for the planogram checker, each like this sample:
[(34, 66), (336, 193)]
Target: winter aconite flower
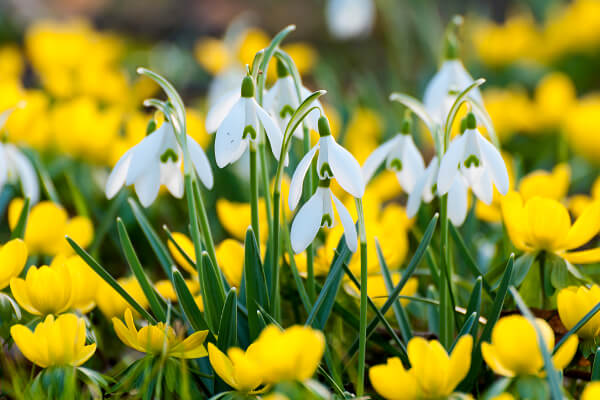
[(514, 349), (240, 126), (84, 282), (111, 303), (54, 342), (422, 380), (477, 160), (237, 368), (591, 391), (553, 185), (574, 303), (45, 290), (544, 224), (187, 246), (13, 256), (157, 161), (159, 338), (40, 239)]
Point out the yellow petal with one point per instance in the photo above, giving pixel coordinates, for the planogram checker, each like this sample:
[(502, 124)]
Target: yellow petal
[(583, 257), (187, 246), (392, 381), (26, 342), (191, 347), (565, 353), (248, 374), (230, 255), (514, 217), (591, 391), (460, 362), (13, 256), (430, 366), (222, 365), (84, 354), (19, 292), (515, 343), (585, 227), (491, 359), (81, 230), (549, 223)]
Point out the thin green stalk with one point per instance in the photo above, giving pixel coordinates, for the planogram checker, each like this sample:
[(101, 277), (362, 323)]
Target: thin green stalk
[(254, 189), (264, 174), (276, 302), (362, 344), (310, 270), (209, 244), (446, 312)]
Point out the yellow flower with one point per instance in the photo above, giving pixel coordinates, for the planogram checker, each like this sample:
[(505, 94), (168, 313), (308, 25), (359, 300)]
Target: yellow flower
[(512, 111), (212, 54), (39, 238), (553, 185), (554, 95), (422, 381), (45, 290), (378, 292), (591, 391), (112, 304), (59, 341), (577, 203), (577, 124), (13, 256), (238, 368), (195, 127), (230, 256), (186, 244), (514, 349), (154, 339), (385, 186), (236, 218), (292, 354), (165, 289), (11, 62), (574, 303), (252, 41), (544, 224), (303, 54), (321, 262), (84, 282)]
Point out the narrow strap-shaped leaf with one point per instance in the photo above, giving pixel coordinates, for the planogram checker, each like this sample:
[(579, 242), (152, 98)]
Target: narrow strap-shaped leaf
[(412, 265), (19, 231), (212, 293), (171, 239), (474, 304), (190, 308), (169, 90), (468, 258), (256, 284), (577, 326), (228, 324), (399, 311), (110, 280), (465, 330), (78, 198), (138, 271), (596, 366), (551, 372), (164, 258)]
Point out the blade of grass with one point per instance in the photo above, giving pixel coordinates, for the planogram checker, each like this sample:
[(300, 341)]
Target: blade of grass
[(19, 231)]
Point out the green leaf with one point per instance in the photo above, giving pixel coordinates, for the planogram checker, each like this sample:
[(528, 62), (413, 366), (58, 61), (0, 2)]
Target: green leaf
[(228, 325), (138, 271), (212, 293), (256, 284), (266, 58), (300, 114), (47, 184), (522, 265), (401, 317), (465, 330), (531, 387), (110, 280), (596, 366), (78, 198), (468, 258), (157, 245), (551, 373), (186, 300), (19, 231), (169, 91)]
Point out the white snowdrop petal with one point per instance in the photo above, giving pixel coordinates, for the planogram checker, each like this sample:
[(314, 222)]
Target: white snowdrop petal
[(229, 135), (482, 187), (200, 162), (307, 222), (298, 177), (145, 153), (457, 201), (147, 185), (117, 176), (26, 172), (377, 157), (345, 168), (273, 132), (449, 164), (494, 163), (412, 165), (220, 110), (172, 177), (348, 224)]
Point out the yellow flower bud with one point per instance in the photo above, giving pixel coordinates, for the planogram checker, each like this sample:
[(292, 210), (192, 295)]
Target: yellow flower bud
[(238, 368), (13, 256), (574, 303), (83, 279), (45, 290), (112, 304)]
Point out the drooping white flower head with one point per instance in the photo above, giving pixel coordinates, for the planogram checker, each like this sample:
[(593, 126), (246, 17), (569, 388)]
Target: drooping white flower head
[(401, 156), (16, 167), (281, 100), (333, 161), (240, 126), (157, 161), (347, 19), (477, 160), (442, 90), (318, 213), (425, 190)]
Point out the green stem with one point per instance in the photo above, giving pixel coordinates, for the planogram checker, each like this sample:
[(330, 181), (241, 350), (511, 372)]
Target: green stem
[(264, 174), (446, 309), (310, 271), (362, 344), (254, 191), (275, 264)]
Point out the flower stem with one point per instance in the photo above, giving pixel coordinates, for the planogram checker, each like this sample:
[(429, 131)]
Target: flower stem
[(362, 339), (310, 271), (254, 191), (446, 309), (275, 299)]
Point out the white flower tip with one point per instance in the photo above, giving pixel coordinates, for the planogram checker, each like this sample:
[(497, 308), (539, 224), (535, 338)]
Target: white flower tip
[(141, 70)]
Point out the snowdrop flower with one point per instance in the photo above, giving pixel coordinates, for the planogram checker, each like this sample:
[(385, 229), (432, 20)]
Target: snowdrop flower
[(401, 156), (282, 100), (156, 161), (333, 161), (347, 19), (477, 160), (425, 190), (240, 126), (444, 87), (318, 213), (15, 166)]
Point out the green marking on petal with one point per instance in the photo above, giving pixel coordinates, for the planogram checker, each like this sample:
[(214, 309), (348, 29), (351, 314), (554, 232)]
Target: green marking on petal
[(169, 154), (324, 183), (286, 110), (326, 220), (396, 165), (326, 171), (249, 130), (471, 160)]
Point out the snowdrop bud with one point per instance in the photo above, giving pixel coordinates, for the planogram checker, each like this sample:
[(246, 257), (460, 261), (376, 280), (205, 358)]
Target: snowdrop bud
[(406, 126), (452, 46), (324, 127), (471, 122), (282, 70), (247, 87)]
